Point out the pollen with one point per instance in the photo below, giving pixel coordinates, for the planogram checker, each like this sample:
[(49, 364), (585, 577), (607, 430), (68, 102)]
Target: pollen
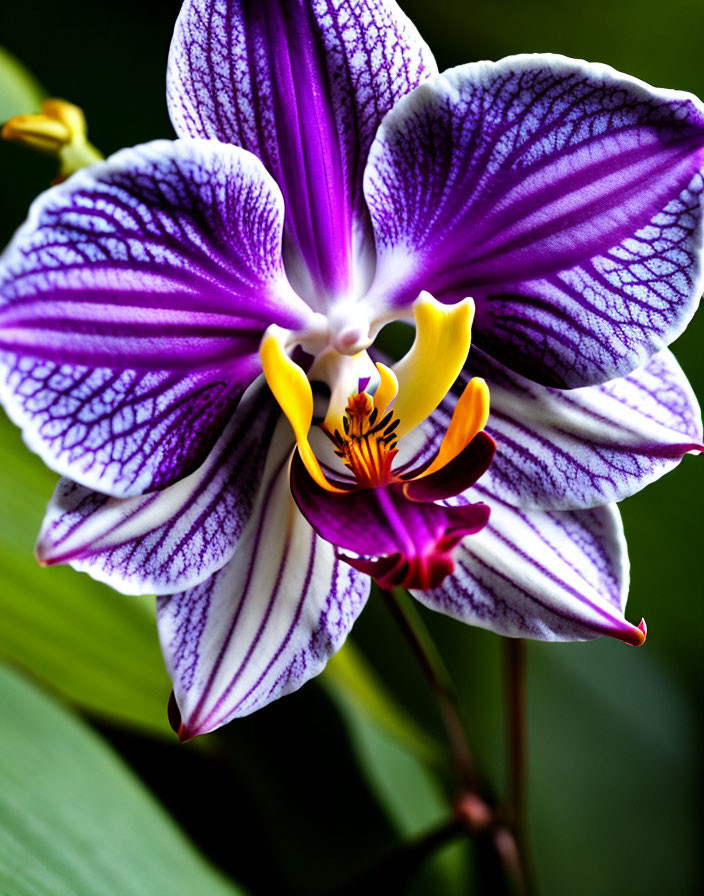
[(368, 444)]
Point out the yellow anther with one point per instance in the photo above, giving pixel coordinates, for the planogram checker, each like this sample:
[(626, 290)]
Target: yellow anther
[(426, 374), (469, 417), (292, 390), (60, 130)]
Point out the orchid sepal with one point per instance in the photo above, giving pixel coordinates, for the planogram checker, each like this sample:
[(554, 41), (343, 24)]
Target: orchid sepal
[(572, 213)]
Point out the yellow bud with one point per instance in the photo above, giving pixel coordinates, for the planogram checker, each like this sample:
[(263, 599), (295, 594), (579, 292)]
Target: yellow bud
[(38, 132), (60, 130), (69, 115)]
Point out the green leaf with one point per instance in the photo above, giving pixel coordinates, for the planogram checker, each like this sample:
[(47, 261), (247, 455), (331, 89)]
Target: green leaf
[(74, 821), (97, 648), (400, 762), (20, 92), (613, 752), (349, 678)]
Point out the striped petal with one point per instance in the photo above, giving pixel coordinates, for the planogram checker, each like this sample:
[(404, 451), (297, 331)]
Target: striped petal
[(266, 622), (564, 197), (583, 447), (303, 84), (551, 576), (175, 538), (132, 303)]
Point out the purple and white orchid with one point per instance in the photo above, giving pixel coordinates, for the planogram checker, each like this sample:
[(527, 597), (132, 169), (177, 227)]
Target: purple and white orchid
[(325, 175)]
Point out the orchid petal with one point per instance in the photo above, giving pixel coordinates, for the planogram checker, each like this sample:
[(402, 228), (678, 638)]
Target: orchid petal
[(564, 197), (387, 389), (267, 621), (584, 447), (552, 576), (175, 538), (469, 416), (303, 84), (132, 305)]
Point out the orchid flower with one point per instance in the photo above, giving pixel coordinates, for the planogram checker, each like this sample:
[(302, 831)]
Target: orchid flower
[(324, 177)]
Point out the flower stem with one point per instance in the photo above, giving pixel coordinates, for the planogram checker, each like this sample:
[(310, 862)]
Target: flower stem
[(515, 653), (501, 854), (439, 679)]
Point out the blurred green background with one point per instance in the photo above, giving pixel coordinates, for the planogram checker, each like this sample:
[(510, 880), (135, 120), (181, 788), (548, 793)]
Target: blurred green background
[(303, 794)]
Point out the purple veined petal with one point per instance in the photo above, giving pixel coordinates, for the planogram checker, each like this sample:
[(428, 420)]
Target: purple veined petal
[(171, 539), (303, 84), (551, 576), (580, 448), (132, 304), (564, 197), (267, 621)]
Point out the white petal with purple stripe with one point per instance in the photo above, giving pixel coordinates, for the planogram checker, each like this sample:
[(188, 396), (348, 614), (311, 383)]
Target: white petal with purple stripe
[(173, 539), (265, 623), (303, 84), (552, 576), (563, 196), (569, 449)]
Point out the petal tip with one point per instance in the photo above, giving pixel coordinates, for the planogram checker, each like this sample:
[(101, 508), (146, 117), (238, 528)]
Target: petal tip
[(173, 713), (643, 628), (42, 554), (184, 735), (635, 635)]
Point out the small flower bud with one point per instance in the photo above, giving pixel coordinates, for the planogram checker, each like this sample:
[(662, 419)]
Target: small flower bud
[(60, 130)]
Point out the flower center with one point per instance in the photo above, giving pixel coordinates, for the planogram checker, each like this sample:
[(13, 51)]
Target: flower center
[(368, 444)]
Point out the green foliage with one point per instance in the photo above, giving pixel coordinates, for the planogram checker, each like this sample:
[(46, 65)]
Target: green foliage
[(20, 92), (353, 684), (612, 772), (73, 820), (399, 763), (97, 648)]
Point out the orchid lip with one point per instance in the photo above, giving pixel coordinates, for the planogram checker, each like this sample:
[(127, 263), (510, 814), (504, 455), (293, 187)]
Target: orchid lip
[(388, 526), (382, 523)]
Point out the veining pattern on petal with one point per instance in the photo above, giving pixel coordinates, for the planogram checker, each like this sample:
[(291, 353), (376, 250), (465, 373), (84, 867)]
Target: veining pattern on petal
[(303, 84), (126, 432), (569, 449), (564, 197), (552, 576), (132, 305), (174, 538), (264, 624), (635, 287)]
